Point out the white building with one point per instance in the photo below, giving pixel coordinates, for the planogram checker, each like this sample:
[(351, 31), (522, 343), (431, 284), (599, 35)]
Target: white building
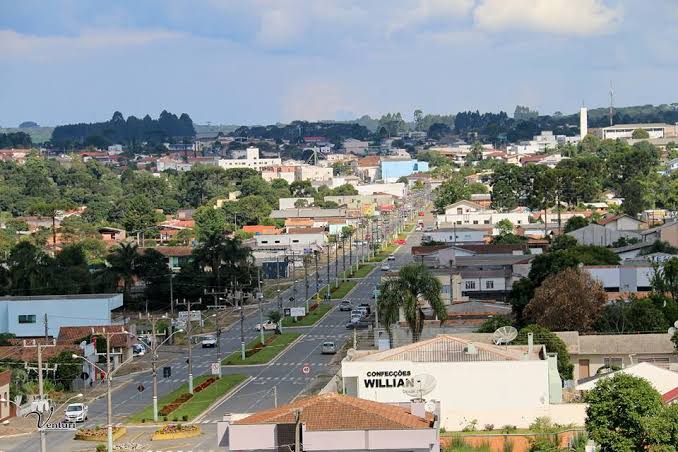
[(398, 189), (291, 241), (357, 147), (457, 235), (251, 160), (288, 203), (491, 384), (622, 278), (467, 212), (313, 173), (625, 131), (25, 316)]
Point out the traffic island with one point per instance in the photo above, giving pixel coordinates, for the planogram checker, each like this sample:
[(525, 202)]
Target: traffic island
[(317, 312), (340, 291), (256, 353), (363, 270), (176, 431), (179, 405), (99, 433)]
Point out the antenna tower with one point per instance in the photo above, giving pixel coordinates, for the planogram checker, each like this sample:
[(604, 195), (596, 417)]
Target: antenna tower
[(611, 112)]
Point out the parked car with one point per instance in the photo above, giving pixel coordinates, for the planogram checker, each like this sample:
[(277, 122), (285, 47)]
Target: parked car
[(391, 257), (328, 348), (138, 350), (76, 412), (345, 306), (360, 325), (209, 341), (267, 326), (366, 306), (385, 267)]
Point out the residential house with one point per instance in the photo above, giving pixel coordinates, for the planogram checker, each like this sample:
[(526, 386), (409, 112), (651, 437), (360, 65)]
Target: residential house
[(313, 173), (334, 422), (666, 233), (368, 168), (112, 236), (252, 160), (356, 147), (171, 163), (175, 256), (289, 203), (660, 378), (622, 223), (170, 228), (482, 199), (470, 213), (259, 229)]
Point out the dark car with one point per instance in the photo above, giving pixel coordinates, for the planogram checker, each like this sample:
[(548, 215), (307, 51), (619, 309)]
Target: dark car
[(360, 325)]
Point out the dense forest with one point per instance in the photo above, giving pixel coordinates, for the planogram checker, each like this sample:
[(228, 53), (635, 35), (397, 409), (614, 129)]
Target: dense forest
[(131, 131), (297, 130), (19, 140)]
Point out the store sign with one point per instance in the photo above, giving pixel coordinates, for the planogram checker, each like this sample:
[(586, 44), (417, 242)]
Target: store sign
[(389, 379)]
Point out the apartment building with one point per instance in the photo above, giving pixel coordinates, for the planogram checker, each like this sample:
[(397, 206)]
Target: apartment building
[(251, 160)]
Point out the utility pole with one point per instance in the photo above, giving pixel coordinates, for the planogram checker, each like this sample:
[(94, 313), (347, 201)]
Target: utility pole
[(350, 251), (343, 256), (171, 331), (297, 430), (239, 302), (275, 396), (109, 410), (294, 280), (217, 306), (260, 296), (41, 389), (329, 256), (189, 331), (305, 261), (317, 273), (336, 261), (46, 329)]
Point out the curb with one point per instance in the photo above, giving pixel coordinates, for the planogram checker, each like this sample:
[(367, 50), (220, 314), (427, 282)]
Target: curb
[(221, 400)]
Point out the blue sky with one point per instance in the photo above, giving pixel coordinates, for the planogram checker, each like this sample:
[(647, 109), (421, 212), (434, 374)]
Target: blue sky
[(263, 61)]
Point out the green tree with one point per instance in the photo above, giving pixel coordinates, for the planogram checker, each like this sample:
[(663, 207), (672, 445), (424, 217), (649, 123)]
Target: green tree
[(302, 189), (452, 190), (640, 134), (208, 222), (67, 370), (29, 270), (552, 343), (493, 323), (301, 203), (408, 292), (521, 293), (123, 268), (618, 409), (665, 278), (633, 315), (51, 210), (574, 223), (138, 214), (563, 242)]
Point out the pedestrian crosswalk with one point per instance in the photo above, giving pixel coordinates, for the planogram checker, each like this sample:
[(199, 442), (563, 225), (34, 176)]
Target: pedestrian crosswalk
[(301, 364), (265, 380)]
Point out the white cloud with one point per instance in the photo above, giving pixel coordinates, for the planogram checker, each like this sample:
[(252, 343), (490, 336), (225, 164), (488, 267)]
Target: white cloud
[(13, 44), (426, 10), (279, 28), (569, 17)]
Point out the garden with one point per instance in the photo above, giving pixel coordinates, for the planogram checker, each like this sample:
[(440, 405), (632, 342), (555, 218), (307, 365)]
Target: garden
[(256, 353)]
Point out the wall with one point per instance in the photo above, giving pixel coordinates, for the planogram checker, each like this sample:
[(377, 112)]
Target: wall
[(520, 442), (80, 311), (392, 170), (288, 203), (460, 236), (396, 189), (391, 440), (250, 437), (599, 235), (5, 408), (468, 390), (289, 239)]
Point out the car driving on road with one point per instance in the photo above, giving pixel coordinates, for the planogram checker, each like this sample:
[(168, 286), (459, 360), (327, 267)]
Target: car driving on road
[(328, 348), (391, 257), (209, 341), (76, 412), (345, 306), (385, 267)]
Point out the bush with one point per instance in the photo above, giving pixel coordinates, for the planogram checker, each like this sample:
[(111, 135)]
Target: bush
[(471, 426), (102, 447), (509, 429), (184, 418), (543, 444), (489, 427)]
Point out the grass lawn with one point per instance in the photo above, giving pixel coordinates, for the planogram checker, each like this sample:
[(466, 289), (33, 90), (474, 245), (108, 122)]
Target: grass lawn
[(270, 291), (339, 292), (363, 270), (384, 253), (264, 355), (193, 406), (309, 319)]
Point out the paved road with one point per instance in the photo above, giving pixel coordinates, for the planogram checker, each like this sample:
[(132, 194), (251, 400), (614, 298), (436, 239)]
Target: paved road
[(285, 373)]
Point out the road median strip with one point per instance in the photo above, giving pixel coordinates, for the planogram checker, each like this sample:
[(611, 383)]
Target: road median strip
[(255, 353), (310, 319)]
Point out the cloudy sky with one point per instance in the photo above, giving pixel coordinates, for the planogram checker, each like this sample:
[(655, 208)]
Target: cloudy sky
[(262, 61)]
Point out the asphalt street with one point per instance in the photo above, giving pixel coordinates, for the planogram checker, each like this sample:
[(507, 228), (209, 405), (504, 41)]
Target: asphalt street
[(285, 373)]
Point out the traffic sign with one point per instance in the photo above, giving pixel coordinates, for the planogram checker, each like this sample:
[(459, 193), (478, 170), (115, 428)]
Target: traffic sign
[(140, 388), (306, 369), (215, 368)]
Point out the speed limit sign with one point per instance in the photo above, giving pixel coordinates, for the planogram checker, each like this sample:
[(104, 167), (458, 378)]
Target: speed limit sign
[(306, 369)]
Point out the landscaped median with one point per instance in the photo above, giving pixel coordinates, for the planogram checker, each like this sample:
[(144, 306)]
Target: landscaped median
[(316, 313), (179, 405), (255, 353), (339, 292), (176, 431), (363, 270), (384, 253), (99, 433)]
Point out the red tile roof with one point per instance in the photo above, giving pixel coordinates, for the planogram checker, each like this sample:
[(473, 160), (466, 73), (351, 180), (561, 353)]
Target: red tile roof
[(340, 412), (671, 396), (371, 160), (168, 251), (30, 354), (260, 229), (76, 334), (425, 250)]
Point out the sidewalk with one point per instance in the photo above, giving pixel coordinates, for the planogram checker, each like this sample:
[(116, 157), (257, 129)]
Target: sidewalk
[(17, 426)]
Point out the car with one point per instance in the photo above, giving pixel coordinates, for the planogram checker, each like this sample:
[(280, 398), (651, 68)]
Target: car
[(345, 306), (268, 325), (76, 412), (209, 341), (391, 257), (138, 350), (401, 242), (385, 267), (328, 348), (366, 306), (361, 325)]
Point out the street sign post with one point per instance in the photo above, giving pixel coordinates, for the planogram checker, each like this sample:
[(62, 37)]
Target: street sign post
[(298, 312), (215, 369)]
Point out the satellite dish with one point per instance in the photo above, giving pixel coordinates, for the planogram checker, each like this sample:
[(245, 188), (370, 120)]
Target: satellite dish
[(504, 335), (423, 385), (672, 331), (430, 406), (675, 324)]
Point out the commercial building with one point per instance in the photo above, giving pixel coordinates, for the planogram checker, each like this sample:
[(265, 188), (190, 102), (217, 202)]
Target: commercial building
[(284, 172), (251, 160), (398, 189), (333, 422), (457, 235), (392, 169), (625, 131), (469, 213), (500, 385), (357, 147), (25, 316), (622, 278)]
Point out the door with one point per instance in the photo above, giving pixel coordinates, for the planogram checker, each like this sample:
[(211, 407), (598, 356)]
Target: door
[(584, 369)]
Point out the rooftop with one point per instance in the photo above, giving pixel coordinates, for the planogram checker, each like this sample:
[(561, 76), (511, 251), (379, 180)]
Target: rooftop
[(89, 296), (447, 348), (333, 411)]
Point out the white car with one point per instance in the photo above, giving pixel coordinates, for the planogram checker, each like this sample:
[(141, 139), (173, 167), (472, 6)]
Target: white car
[(385, 267), (391, 257), (267, 326), (209, 341), (76, 412)]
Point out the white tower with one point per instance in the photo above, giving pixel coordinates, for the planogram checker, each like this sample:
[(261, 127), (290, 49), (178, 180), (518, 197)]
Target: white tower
[(583, 122)]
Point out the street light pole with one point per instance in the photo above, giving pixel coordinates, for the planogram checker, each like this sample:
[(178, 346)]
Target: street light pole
[(109, 411)]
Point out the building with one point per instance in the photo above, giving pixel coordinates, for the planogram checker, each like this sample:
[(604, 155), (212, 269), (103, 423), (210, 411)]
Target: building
[(258, 229), (470, 213), (297, 240), (368, 168), (599, 235), (622, 223), (457, 235), (169, 163), (25, 316), (392, 169), (175, 256), (662, 380), (334, 422), (308, 213), (6, 409), (625, 131), (468, 379), (289, 203), (356, 147), (313, 173), (666, 233), (367, 204), (397, 189), (583, 122), (622, 278), (284, 172), (251, 160)]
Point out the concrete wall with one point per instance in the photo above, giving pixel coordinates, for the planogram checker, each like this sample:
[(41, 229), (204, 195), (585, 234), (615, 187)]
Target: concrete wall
[(451, 236), (390, 440), (621, 278), (288, 203), (290, 239), (468, 390), (251, 437), (594, 234), (397, 189)]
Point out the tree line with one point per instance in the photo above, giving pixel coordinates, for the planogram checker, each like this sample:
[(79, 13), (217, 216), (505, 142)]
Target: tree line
[(17, 140)]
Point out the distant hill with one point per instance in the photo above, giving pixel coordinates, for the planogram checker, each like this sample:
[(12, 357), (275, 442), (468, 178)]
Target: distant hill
[(28, 125), (38, 135)]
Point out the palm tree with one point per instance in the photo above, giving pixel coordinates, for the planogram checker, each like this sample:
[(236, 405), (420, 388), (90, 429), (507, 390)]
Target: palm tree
[(409, 293), (218, 251), (123, 266)]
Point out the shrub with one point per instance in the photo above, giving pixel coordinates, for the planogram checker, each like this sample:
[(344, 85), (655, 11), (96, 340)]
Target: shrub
[(184, 417), (164, 418), (102, 447), (509, 428), (471, 426), (508, 445), (489, 427), (167, 409)]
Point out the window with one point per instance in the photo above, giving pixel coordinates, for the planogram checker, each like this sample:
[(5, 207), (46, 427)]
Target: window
[(295, 241), (519, 222), (613, 362), (264, 241), (486, 222), (277, 241), (460, 210), (446, 290), (26, 318), (475, 221), (470, 284), (458, 221), (489, 284)]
